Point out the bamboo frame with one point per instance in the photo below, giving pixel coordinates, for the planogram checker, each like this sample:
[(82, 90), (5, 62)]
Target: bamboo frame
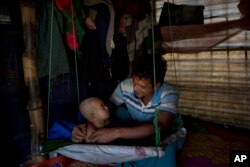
[(34, 107)]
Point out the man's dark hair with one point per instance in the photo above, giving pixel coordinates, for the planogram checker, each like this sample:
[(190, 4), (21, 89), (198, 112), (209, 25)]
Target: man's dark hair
[(145, 67)]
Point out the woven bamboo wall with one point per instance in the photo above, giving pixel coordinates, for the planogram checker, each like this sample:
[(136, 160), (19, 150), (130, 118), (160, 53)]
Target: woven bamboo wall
[(214, 86)]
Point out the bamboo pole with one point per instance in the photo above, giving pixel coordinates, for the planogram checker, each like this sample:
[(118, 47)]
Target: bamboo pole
[(28, 12)]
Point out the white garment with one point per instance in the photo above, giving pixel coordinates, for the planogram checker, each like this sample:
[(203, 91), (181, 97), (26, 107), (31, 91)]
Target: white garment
[(107, 154), (110, 33)]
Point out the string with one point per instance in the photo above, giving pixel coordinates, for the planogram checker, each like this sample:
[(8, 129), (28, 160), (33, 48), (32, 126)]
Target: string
[(75, 53), (156, 113), (179, 119), (50, 61)]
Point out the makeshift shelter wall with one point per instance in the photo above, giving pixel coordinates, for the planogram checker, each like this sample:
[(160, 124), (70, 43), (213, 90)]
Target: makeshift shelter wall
[(214, 85), (209, 62)]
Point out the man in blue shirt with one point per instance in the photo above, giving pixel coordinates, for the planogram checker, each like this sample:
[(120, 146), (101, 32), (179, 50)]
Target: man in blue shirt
[(142, 95)]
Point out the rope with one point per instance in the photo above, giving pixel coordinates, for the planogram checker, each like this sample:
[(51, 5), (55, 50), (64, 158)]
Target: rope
[(155, 121), (50, 57), (156, 113), (179, 119), (50, 62), (157, 129), (75, 54)]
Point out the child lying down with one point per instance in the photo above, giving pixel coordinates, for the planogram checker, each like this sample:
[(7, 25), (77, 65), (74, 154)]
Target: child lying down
[(97, 114)]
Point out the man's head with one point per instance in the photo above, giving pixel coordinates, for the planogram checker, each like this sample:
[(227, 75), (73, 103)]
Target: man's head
[(94, 110), (147, 71), (150, 67)]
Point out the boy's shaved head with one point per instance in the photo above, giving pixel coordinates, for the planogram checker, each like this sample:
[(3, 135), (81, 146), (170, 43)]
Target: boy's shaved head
[(87, 105), (94, 110)]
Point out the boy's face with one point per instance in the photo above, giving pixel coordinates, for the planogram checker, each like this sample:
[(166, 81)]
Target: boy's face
[(101, 110)]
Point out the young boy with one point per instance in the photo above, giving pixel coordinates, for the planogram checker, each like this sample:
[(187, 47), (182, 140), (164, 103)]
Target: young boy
[(97, 114)]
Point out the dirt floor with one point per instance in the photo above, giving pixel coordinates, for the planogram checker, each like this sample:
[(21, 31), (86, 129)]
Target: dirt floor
[(209, 144)]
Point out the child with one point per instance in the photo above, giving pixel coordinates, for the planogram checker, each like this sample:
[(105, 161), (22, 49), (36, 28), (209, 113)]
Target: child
[(96, 112)]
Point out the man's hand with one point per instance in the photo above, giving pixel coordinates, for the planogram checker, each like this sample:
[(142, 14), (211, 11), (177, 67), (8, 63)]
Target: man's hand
[(90, 23), (79, 133), (104, 135)]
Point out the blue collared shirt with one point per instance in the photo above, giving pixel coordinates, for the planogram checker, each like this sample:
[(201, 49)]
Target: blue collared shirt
[(165, 99)]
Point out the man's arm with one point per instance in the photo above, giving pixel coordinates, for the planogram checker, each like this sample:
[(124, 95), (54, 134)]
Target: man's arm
[(165, 121), (143, 130)]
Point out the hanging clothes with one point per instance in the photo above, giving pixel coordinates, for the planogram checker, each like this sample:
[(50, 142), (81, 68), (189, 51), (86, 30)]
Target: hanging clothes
[(59, 60), (111, 58)]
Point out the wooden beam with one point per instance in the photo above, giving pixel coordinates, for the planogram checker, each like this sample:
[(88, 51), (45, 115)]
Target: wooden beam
[(28, 12)]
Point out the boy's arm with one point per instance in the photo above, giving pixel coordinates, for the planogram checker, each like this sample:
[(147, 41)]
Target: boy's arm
[(79, 133)]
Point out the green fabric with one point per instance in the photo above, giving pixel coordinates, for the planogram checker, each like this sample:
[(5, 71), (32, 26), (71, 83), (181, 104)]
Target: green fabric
[(80, 16), (78, 21), (59, 60), (51, 145)]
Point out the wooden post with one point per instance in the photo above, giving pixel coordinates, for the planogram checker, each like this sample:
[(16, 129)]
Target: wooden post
[(28, 12)]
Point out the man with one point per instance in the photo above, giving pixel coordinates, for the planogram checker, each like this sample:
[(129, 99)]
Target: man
[(142, 95)]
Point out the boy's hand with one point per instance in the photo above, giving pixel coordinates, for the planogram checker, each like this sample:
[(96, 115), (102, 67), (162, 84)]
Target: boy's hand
[(79, 133)]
